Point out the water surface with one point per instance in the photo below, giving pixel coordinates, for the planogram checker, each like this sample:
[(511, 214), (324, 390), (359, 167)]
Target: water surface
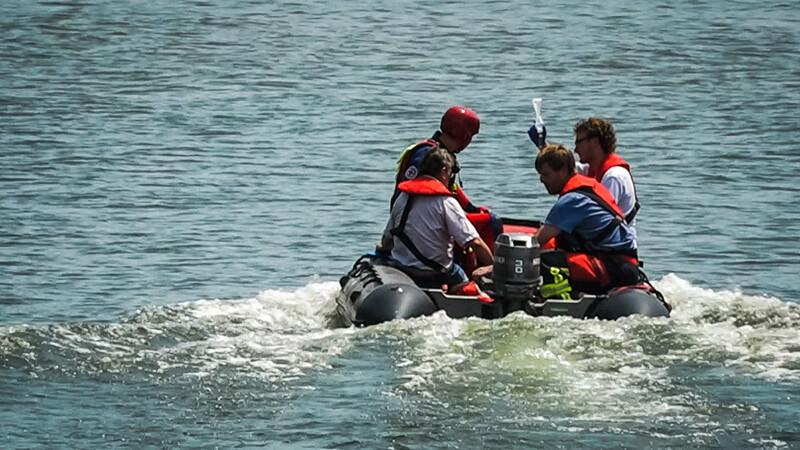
[(184, 182)]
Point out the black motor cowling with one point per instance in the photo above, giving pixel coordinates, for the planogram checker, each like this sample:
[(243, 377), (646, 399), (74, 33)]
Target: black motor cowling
[(516, 268)]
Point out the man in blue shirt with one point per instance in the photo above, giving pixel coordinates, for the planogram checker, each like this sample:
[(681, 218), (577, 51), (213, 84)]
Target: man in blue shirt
[(594, 250)]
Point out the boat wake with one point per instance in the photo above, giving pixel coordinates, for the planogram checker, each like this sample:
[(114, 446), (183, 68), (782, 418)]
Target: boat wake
[(284, 335), (275, 335)]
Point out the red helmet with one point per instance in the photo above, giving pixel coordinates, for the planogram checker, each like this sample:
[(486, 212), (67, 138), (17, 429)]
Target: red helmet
[(461, 123)]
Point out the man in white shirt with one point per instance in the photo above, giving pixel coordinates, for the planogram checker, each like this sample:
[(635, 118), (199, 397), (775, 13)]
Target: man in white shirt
[(426, 221), (595, 144)]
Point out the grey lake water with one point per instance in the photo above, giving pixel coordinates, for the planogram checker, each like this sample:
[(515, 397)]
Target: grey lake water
[(182, 184)]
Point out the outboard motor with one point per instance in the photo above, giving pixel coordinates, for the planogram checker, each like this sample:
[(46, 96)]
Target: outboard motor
[(516, 269)]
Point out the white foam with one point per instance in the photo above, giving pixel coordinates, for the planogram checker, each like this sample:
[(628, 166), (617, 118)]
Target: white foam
[(286, 334), (756, 333)]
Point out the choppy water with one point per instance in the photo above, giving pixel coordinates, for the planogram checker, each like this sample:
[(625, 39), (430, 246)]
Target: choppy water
[(183, 183)]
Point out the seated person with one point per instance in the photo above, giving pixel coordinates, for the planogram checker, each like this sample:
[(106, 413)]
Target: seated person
[(594, 248), (424, 224), (596, 145)]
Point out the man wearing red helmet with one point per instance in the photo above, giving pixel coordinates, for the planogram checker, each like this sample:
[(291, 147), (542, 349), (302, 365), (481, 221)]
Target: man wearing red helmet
[(459, 124)]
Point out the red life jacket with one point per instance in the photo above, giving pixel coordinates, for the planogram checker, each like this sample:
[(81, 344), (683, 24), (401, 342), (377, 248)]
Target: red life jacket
[(614, 160), (462, 198), (592, 267), (580, 182), (424, 186)]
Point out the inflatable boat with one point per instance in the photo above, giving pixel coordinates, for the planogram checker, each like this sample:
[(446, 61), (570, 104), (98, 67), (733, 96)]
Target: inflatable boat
[(375, 290)]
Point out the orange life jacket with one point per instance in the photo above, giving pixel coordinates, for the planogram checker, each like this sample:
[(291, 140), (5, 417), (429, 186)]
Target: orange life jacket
[(585, 184), (424, 186), (614, 160), (590, 265)]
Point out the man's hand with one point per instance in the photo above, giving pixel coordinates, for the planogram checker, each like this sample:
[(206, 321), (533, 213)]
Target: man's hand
[(485, 271), (385, 245)]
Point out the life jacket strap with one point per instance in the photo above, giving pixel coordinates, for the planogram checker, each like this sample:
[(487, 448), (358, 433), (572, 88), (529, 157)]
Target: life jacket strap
[(631, 215)]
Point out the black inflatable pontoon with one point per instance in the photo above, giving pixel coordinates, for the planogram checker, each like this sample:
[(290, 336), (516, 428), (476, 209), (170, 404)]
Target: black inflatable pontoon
[(374, 292)]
